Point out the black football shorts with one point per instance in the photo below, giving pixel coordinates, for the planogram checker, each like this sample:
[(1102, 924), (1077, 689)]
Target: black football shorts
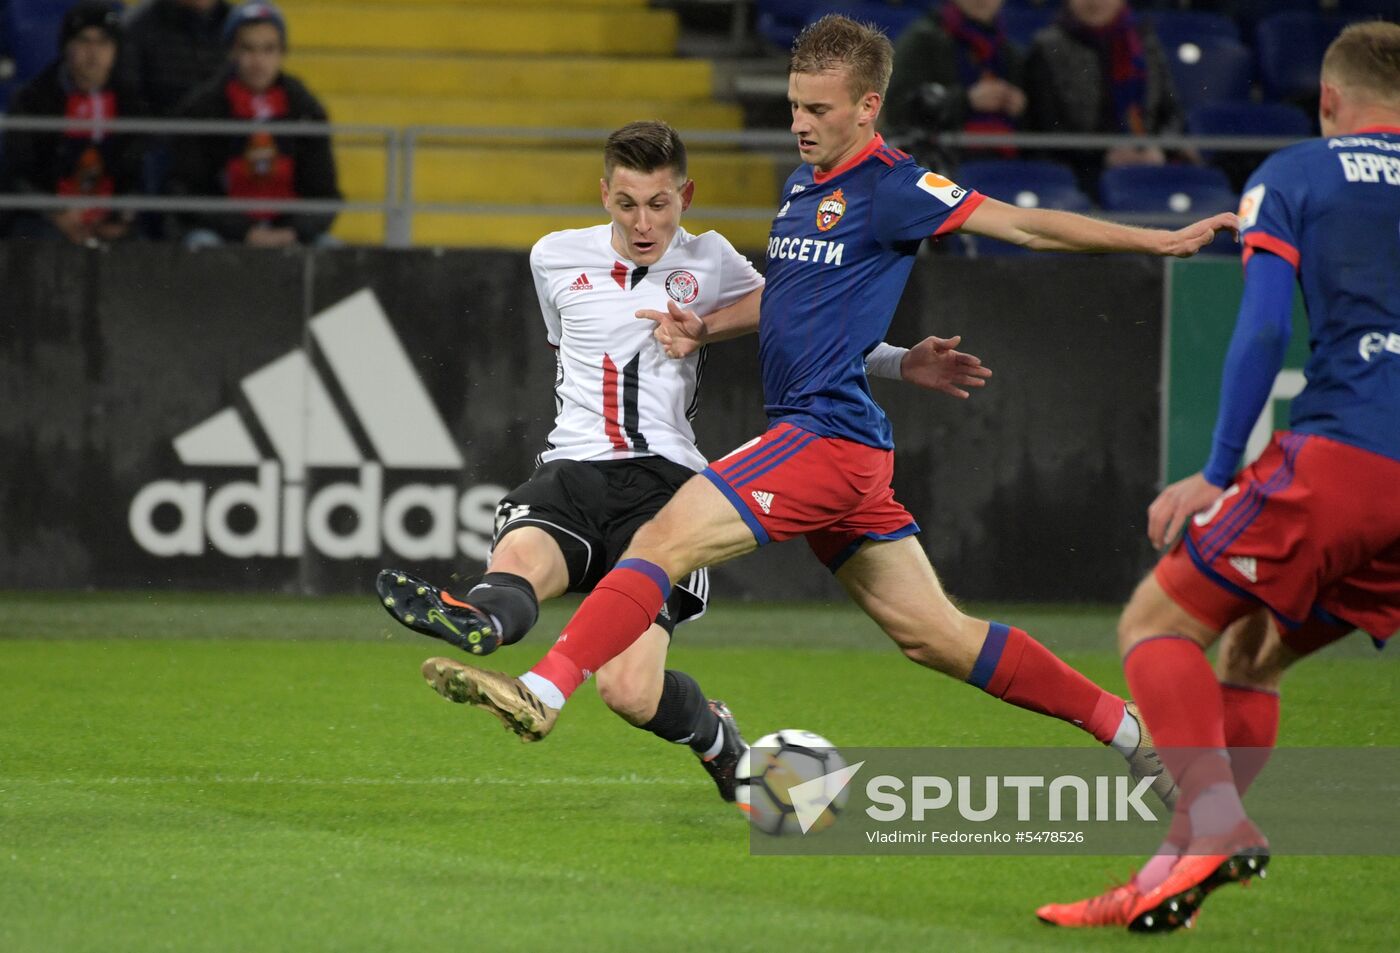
[(592, 509)]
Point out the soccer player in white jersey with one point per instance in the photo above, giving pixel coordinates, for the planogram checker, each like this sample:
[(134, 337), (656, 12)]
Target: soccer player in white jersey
[(622, 443)]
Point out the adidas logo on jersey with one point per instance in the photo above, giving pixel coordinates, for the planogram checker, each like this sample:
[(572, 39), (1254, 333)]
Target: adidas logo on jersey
[(367, 413), (581, 283), (764, 500), (1246, 566)]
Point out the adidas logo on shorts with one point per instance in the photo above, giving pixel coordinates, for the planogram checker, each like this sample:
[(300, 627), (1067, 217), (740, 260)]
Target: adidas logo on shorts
[(764, 500), (1246, 566)]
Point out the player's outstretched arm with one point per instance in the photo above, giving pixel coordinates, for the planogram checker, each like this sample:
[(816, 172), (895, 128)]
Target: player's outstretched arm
[(682, 332), (1042, 229), (934, 364)]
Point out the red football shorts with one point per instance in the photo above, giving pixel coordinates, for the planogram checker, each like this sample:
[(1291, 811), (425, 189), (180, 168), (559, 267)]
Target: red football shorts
[(1311, 530), (791, 482)]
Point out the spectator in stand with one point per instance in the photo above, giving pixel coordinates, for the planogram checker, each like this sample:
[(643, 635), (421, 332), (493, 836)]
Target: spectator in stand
[(263, 164), (172, 47), (84, 160), (956, 69), (1095, 70)]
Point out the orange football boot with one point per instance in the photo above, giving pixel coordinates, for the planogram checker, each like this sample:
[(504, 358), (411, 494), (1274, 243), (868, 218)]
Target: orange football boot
[(1209, 862)]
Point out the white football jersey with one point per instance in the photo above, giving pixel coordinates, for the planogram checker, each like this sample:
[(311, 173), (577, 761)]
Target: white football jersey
[(617, 394)]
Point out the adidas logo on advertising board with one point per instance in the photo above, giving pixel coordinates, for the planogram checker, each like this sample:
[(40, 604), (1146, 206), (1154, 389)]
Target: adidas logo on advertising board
[(293, 407)]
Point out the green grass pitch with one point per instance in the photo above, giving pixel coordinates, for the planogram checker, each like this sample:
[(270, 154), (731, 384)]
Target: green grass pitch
[(195, 773)]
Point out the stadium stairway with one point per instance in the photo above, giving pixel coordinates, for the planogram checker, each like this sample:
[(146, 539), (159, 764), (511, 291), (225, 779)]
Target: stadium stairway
[(546, 64)]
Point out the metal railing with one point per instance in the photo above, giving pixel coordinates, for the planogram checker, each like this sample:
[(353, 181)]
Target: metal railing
[(402, 145)]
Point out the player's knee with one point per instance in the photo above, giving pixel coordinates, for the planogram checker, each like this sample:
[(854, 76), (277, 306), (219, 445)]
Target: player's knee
[(629, 692)]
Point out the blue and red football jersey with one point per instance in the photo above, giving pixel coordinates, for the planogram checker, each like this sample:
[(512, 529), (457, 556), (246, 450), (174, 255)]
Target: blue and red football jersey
[(1331, 207), (839, 255)]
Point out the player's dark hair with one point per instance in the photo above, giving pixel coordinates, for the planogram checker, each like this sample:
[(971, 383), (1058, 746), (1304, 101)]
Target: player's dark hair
[(839, 43), (644, 147), (1366, 56)]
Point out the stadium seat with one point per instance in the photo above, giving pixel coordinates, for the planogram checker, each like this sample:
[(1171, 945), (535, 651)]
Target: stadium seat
[(779, 21), (1174, 27), (1248, 13), (1388, 9), (1249, 119), (1023, 23), (1290, 47), (1245, 119), (1028, 183), (1183, 189), (1193, 191), (31, 30), (1210, 69), (891, 18)]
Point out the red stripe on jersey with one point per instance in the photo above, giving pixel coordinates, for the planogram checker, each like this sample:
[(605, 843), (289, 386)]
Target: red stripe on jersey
[(884, 156), (1266, 242), (619, 274), (610, 404), (961, 213)]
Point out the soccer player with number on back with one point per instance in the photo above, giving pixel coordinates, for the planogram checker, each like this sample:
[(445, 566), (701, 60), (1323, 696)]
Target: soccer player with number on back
[(840, 251), (1310, 532)]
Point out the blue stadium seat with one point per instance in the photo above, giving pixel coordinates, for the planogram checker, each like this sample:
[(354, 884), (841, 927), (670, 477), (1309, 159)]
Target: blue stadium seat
[(1023, 23), (1290, 49), (31, 27), (1249, 119), (892, 18), (1388, 9), (1174, 27), (1209, 70), (779, 21), (1248, 13), (1196, 191), (1188, 189), (1028, 183)]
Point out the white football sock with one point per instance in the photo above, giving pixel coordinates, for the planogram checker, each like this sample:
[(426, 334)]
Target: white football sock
[(1128, 736), (545, 690)]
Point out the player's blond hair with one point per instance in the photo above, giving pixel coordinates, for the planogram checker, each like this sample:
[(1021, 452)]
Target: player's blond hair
[(1365, 60), (644, 146), (836, 43)]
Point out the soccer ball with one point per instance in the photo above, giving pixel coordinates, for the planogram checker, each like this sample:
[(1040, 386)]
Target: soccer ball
[(777, 763)]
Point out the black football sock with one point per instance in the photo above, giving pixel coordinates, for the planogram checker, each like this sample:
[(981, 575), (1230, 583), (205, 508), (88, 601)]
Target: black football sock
[(683, 714), (509, 600)]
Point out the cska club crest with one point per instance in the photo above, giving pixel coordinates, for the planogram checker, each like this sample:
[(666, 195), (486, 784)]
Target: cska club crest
[(830, 210)]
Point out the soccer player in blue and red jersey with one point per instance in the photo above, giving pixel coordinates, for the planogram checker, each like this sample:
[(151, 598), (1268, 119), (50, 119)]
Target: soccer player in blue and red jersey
[(840, 252), (1303, 546)]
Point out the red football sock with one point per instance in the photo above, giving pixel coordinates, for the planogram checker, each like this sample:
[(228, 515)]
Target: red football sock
[(1180, 700), (1251, 730), (1017, 669), (621, 607)]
